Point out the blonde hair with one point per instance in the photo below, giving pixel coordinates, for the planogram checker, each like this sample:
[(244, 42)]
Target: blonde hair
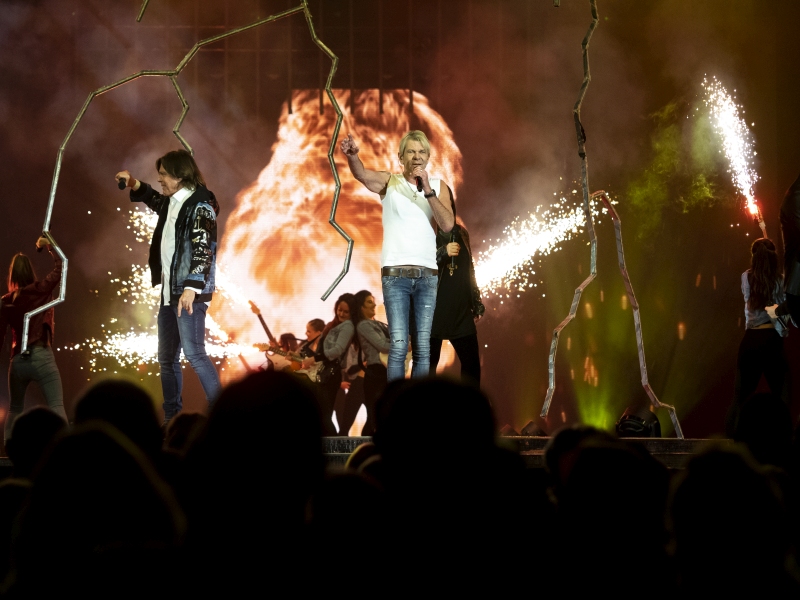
[(416, 136)]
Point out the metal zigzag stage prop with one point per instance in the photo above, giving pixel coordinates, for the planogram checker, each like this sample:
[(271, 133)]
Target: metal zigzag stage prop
[(587, 198), (173, 75)]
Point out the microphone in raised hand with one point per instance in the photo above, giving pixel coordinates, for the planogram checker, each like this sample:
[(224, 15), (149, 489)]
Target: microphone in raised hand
[(419, 183), (121, 183)]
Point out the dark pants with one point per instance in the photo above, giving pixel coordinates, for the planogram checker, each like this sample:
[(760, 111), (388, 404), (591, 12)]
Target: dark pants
[(374, 386), (467, 350), (760, 352), (347, 405), (327, 400)]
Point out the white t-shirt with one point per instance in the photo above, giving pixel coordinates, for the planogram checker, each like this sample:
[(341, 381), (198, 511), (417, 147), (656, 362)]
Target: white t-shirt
[(409, 237), (168, 240)]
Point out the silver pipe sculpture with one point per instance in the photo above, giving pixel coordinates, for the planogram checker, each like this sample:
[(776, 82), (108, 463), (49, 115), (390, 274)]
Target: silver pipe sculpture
[(173, 75)]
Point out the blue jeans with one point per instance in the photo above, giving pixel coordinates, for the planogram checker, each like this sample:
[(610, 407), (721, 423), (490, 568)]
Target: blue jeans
[(187, 331), (397, 295), (39, 366)]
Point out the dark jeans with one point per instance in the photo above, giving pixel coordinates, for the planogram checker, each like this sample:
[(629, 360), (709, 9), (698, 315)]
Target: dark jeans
[(760, 352), (467, 350), (39, 366), (187, 332)]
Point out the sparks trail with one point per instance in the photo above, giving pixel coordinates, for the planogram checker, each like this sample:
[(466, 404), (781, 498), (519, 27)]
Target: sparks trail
[(136, 347), (510, 264), (737, 143)]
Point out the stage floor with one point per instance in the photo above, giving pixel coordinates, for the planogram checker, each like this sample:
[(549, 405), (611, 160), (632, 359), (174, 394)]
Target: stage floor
[(671, 451)]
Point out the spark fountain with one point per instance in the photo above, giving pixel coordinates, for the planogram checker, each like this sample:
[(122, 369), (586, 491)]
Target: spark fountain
[(737, 143)]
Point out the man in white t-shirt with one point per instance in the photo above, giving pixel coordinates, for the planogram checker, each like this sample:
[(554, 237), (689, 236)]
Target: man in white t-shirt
[(413, 205)]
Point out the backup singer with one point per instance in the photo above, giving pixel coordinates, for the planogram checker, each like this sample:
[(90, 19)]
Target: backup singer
[(26, 293), (458, 302), (413, 204), (373, 337), (761, 349), (183, 261)]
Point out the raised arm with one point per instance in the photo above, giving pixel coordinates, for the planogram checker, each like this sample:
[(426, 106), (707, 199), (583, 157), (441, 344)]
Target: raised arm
[(441, 207), (53, 278), (374, 181), (142, 192)]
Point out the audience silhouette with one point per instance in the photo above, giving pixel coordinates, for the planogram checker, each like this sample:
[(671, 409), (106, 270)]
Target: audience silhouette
[(239, 503)]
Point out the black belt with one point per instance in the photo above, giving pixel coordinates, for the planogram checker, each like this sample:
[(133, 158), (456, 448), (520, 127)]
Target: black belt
[(409, 272)]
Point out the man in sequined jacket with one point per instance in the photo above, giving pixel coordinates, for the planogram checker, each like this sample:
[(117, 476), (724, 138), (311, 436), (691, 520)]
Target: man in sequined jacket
[(183, 261)]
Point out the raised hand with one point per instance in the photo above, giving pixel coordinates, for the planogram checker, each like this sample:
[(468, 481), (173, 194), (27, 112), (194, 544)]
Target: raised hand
[(349, 146), (127, 178)]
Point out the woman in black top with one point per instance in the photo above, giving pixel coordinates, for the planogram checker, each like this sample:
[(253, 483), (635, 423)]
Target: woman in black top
[(458, 301)]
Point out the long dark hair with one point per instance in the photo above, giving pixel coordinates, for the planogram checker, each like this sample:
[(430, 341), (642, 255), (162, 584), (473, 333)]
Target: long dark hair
[(180, 165), (348, 299), (360, 298), (20, 273), (764, 274)]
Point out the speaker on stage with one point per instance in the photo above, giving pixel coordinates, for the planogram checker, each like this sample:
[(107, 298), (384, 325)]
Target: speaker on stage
[(532, 429), (638, 422)]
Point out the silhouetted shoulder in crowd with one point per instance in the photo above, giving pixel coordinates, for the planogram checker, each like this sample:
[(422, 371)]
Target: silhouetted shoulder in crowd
[(248, 481), (182, 431), (731, 529), (33, 432), (460, 504), (99, 521), (131, 410), (610, 499)]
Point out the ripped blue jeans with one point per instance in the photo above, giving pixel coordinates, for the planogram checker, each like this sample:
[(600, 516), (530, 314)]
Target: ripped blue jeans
[(398, 293)]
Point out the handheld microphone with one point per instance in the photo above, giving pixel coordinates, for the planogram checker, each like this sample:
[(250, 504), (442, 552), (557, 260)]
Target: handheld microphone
[(121, 184), (419, 184)]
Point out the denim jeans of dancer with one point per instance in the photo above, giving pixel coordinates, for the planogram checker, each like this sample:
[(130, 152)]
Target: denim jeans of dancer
[(398, 293), (187, 332), (39, 366)]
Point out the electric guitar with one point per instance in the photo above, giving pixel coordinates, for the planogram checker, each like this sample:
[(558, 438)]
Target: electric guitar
[(297, 361)]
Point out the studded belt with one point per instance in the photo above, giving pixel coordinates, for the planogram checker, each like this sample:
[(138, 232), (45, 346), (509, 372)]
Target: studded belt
[(409, 272)]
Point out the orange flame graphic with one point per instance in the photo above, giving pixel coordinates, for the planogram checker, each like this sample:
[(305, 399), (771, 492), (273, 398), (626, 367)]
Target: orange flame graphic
[(278, 246)]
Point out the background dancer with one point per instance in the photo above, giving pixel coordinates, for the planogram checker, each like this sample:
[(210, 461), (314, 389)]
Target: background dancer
[(413, 204), (26, 293), (761, 349), (373, 336), (334, 343), (183, 261), (458, 301)]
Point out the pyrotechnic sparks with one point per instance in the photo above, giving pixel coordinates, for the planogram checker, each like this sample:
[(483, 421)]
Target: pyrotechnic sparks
[(136, 347), (737, 143), (510, 264)]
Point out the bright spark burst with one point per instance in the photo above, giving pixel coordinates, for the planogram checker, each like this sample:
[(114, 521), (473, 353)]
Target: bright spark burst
[(133, 348), (510, 264), (737, 141)]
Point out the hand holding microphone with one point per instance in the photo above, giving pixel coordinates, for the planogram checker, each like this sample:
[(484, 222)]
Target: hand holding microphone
[(124, 179), (421, 177)]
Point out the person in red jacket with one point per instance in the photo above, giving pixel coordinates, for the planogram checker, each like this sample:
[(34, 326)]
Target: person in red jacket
[(26, 293)]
